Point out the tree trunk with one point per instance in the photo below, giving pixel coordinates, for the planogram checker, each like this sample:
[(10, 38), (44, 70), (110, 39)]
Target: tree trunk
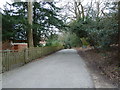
[(119, 29), (82, 11), (77, 9), (35, 37), (75, 5), (30, 31), (98, 9)]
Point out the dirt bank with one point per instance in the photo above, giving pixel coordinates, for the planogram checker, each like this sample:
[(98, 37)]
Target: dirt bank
[(105, 63)]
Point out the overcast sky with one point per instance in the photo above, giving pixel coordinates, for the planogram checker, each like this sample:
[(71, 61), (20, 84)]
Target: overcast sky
[(2, 2), (61, 3)]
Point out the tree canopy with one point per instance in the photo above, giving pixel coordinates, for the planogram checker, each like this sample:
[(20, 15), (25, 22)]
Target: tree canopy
[(45, 19)]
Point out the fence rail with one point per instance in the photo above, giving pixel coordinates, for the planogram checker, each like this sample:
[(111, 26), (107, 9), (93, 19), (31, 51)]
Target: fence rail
[(15, 59)]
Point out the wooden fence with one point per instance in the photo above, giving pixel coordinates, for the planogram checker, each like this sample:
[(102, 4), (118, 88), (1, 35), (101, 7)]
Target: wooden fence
[(11, 59)]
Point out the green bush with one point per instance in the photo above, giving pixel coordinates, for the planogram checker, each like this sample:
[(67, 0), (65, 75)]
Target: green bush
[(84, 41), (102, 38), (70, 40)]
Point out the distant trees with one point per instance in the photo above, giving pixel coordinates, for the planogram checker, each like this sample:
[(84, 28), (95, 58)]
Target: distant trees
[(53, 40), (70, 40)]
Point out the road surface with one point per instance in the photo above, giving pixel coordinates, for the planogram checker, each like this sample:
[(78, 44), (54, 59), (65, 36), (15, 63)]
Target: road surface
[(63, 69)]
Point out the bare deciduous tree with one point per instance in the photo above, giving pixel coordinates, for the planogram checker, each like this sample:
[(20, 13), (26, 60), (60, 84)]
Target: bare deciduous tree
[(76, 8)]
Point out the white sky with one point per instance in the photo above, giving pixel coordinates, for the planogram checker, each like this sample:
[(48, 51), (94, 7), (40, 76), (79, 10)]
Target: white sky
[(62, 2), (2, 2)]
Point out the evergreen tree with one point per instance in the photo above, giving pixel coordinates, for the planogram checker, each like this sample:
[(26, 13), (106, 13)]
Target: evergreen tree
[(45, 19)]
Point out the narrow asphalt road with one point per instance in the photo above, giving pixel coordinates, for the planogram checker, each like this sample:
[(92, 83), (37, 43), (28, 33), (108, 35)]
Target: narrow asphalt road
[(63, 69)]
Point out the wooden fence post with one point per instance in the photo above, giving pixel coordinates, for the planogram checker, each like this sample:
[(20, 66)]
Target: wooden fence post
[(25, 56), (8, 61)]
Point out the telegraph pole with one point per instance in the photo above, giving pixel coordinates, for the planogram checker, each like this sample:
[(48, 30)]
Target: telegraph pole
[(30, 20)]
